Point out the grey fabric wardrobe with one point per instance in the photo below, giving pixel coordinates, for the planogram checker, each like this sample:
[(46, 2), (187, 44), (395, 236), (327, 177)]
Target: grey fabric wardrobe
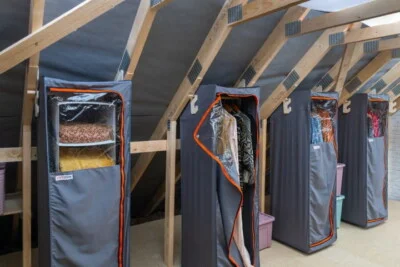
[(363, 148), (303, 175), (84, 173), (212, 197)]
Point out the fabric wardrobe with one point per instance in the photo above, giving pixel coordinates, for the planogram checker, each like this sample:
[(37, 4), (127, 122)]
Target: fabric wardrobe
[(363, 147), (303, 171), (84, 173), (215, 202)]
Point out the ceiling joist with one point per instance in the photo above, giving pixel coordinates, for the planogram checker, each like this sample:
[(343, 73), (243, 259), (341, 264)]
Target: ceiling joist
[(54, 31), (258, 65), (347, 16), (388, 78), (329, 80), (215, 39), (357, 82), (142, 24), (311, 58)]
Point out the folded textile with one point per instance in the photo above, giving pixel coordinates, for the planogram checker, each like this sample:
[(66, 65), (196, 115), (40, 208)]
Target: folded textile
[(85, 133), (72, 159)]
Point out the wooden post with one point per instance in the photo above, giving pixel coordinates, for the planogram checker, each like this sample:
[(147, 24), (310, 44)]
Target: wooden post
[(26, 196), (170, 195), (263, 165)]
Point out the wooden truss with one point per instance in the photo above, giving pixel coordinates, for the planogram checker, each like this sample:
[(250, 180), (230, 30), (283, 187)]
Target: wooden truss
[(338, 30)]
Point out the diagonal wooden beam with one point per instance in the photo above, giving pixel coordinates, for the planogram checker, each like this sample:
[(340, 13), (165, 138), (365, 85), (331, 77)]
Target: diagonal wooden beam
[(311, 58), (54, 31), (260, 62), (388, 78), (244, 12), (347, 16), (365, 34), (142, 24), (350, 53), (357, 82), (215, 39), (274, 43), (329, 80)]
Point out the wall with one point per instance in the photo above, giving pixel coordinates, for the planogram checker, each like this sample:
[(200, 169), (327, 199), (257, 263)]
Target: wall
[(394, 157)]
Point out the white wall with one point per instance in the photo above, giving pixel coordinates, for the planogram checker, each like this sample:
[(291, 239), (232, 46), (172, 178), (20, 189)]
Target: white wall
[(394, 156)]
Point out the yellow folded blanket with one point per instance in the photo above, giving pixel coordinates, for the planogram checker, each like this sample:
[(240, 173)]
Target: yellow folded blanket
[(72, 159)]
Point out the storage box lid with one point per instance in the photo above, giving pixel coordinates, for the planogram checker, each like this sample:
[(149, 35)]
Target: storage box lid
[(265, 218)]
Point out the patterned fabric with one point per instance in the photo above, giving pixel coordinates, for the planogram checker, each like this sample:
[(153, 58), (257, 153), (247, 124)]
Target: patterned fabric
[(316, 132), (328, 134), (374, 124), (72, 159), (246, 152), (225, 129), (79, 133)]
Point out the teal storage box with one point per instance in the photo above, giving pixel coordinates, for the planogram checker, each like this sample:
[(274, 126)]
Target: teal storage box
[(339, 206)]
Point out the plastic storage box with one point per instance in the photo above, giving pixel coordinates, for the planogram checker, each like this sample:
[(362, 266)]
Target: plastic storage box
[(265, 231), (2, 187), (339, 178), (339, 206)]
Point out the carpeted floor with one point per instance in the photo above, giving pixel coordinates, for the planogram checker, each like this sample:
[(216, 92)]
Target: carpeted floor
[(356, 247)]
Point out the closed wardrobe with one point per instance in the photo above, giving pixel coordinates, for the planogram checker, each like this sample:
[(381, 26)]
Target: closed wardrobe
[(84, 173), (363, 146), (303, 160), (219, 132)]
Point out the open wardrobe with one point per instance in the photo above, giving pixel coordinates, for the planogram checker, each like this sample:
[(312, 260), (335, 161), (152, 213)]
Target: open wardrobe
[(219, 161), (84, 173), (303, 160), (364, 149)]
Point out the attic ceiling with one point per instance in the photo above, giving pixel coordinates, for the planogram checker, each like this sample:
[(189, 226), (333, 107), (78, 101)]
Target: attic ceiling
[(93, 53)]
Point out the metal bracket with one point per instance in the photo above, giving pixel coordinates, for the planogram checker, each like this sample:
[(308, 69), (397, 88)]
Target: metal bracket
[(235, 13), (346, 107), (293, 28), (392, 107), (193, 107), (155, 2), (325, 81), (336, 38), (396, 53), (291, 80), (195, 71), (371, 46), (286, 106), (379, 85), (248, 75)]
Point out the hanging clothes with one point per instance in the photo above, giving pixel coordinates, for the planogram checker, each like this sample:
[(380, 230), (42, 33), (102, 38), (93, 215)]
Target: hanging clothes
[(328, 134), (374, 124), (316, 132), (225, 126), (246, 152)]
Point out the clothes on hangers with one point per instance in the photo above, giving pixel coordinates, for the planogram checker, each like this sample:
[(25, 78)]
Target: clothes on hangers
[(316, 129), (227, 147), (374, 124)]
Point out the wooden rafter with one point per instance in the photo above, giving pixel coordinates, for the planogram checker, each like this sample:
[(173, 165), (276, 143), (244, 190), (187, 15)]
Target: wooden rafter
[(394, 93), (54, 31), (328, 81), (347, 16), (247, 11), (362, 77), (311, 58), (274, 43), (142, 24), (388, 78), (366, 34), (260, 62), (206, 55), (350, 53), (396, 104)]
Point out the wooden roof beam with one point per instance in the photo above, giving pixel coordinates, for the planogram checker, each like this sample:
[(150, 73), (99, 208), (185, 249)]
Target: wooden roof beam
[(311, 58), (383, 83), (328, 81), (215, 39), (260, 62), (394, 93), (142, 24), (357, 82), (54, 31), (347, 16), (274, 43), (242, 13)]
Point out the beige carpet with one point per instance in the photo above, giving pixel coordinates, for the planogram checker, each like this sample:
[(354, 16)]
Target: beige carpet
[(379, 246)]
